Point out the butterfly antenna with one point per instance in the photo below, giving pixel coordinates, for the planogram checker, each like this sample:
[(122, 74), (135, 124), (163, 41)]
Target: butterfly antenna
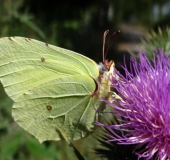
[(111, 39), (104, 41)]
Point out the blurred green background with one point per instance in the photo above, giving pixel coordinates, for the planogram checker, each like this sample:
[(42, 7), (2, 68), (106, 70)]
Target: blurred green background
[(78, 26)]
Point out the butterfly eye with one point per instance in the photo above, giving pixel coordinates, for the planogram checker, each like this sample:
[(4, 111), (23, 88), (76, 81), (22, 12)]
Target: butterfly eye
[(49, 108), (102, 67)]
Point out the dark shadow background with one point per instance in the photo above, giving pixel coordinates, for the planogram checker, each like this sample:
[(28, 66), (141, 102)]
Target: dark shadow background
[(77, 25)]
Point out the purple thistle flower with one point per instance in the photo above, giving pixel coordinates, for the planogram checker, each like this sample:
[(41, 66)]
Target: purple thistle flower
[(143, 112)]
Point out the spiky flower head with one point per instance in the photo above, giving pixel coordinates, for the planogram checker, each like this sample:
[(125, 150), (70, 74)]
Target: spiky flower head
[(143, 110)]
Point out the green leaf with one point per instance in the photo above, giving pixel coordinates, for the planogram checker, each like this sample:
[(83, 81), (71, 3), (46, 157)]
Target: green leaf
[(38, 150), (155, 40), (10, 145)]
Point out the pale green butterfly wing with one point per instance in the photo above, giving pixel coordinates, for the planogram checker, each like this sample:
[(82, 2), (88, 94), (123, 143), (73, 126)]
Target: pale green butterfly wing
[(58, 108), (52, 88)]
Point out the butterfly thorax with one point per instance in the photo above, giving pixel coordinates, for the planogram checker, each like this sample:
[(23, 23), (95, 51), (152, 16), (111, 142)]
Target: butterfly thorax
[(103, 79), (104, 84)]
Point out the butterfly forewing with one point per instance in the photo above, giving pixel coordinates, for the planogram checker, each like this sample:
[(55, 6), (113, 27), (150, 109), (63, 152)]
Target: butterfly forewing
[(22, 68)]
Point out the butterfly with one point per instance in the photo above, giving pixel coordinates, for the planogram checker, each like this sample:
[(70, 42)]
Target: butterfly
[(55, 91)]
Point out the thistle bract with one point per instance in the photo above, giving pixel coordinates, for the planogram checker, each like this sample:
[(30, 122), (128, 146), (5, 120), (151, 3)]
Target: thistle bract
[(143, 110)]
